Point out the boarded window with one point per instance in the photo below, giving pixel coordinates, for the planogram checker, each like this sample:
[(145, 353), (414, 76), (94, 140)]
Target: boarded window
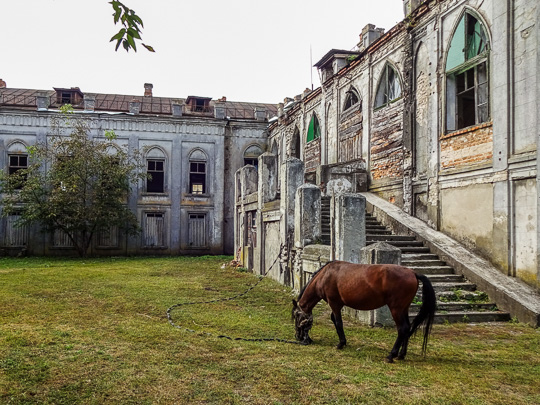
[(154, 229), (467, 90), (389, 88), (108, 238), (314, 129), (197, 231), (155, 183), (61, 239), (16, 236)]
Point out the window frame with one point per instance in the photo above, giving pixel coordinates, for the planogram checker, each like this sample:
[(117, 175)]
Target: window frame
[(195, 176), (384, 80), (150, 181), (469, 69), (314, 129)]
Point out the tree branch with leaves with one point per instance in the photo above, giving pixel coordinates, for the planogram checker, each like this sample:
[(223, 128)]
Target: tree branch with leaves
[(131, 29)]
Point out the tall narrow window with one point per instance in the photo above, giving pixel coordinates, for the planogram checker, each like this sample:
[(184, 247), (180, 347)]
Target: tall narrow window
[(155, 183), (314, 129), (17, 162), (197, 177), (389, 88), (467, 90)]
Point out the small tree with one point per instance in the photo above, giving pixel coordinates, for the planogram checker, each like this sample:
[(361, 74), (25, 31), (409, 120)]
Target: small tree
[(75, 184)]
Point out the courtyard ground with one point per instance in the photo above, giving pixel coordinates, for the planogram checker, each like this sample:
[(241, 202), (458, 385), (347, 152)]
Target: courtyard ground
[(95, 331)]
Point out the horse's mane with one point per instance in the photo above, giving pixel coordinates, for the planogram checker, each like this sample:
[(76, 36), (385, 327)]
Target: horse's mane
[(310, 280)]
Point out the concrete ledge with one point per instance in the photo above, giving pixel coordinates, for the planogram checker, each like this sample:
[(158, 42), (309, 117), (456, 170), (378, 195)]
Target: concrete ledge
[(510, 294)]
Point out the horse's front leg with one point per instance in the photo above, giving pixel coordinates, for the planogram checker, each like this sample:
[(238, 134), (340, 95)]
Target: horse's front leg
[(338, 323)]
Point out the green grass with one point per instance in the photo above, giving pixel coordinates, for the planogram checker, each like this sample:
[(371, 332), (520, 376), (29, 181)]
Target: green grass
[(95, 331)]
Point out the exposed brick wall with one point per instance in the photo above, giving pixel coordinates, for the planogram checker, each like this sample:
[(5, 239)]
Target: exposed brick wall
[(312, 155), (468, 146), (350, 135), (387, 142)]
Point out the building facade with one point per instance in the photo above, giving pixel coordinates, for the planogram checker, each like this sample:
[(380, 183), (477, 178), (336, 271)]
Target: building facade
[(192, 147), (442, 114)]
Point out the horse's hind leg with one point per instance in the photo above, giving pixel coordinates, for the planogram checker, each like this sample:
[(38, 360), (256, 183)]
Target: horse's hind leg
[(338, 323), (403, 326), (405, 343)]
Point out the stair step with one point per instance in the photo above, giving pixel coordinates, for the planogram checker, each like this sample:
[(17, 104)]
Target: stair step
[(375, 237), (431, 270), (462, 287), (469, 316), (422, 263), (460, 295), (378, 232), (419, 256), (414, 249), (460, 306), (445, 278)]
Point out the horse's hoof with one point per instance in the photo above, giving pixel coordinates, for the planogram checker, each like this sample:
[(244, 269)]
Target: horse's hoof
[(340, 346), (389, 360)]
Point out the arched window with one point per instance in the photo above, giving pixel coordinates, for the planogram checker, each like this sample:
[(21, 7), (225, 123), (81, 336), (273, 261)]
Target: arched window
[(389, 88), (251, 155), (155, 168), (314, 129), (351, 99), (17, 160), (295, 144), (467, 90), (197, 172)]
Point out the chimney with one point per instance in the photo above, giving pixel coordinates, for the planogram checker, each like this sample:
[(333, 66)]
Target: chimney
[(222, 99), (3, 84), (369, 34), (148, 89)]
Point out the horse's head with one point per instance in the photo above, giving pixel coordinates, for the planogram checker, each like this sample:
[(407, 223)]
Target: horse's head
[(302, 323)]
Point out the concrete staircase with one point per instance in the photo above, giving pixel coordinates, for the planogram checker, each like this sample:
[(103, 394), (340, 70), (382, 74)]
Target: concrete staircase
[(458, 299)]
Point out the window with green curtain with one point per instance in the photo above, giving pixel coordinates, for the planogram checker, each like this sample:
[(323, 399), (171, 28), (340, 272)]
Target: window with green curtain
[(314, 129), (467, 68)]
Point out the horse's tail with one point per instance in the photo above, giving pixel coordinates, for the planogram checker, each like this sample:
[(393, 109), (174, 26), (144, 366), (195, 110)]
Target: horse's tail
[(426, 315)]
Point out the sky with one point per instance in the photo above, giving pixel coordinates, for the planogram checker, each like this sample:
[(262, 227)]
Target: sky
[(244, 50)]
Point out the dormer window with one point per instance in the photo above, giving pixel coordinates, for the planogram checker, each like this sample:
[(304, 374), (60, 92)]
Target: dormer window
[(198, 104), (72, 96)]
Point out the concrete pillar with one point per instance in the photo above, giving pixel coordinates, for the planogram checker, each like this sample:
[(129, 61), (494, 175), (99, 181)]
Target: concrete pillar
[(89, 102), (43, 101), (219, 111), (348, 216), (307, 215), (269, 178), (378, 253), (177, 109), (292, 177)]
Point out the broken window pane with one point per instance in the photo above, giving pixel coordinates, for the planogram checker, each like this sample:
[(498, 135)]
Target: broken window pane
[(156, 182), (389, 87), (197, 177)]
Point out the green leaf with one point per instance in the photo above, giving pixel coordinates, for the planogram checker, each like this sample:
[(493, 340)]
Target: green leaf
[(119, 35), (151, 49)]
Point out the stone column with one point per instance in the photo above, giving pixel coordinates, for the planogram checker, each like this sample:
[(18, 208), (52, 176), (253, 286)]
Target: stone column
[(268, 175), (307, 215), (348, 216)]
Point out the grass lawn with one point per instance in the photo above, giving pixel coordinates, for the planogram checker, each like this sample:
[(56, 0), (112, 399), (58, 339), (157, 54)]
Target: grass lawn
[(95, 331)]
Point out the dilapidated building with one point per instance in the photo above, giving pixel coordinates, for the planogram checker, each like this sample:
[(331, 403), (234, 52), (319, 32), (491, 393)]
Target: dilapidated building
[(437, 116), (193, 147)]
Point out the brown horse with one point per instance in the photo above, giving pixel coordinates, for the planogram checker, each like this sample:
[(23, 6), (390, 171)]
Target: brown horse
[(367, 287)]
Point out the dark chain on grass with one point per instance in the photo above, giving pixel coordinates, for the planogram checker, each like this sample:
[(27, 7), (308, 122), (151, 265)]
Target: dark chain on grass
[(261, 278)]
